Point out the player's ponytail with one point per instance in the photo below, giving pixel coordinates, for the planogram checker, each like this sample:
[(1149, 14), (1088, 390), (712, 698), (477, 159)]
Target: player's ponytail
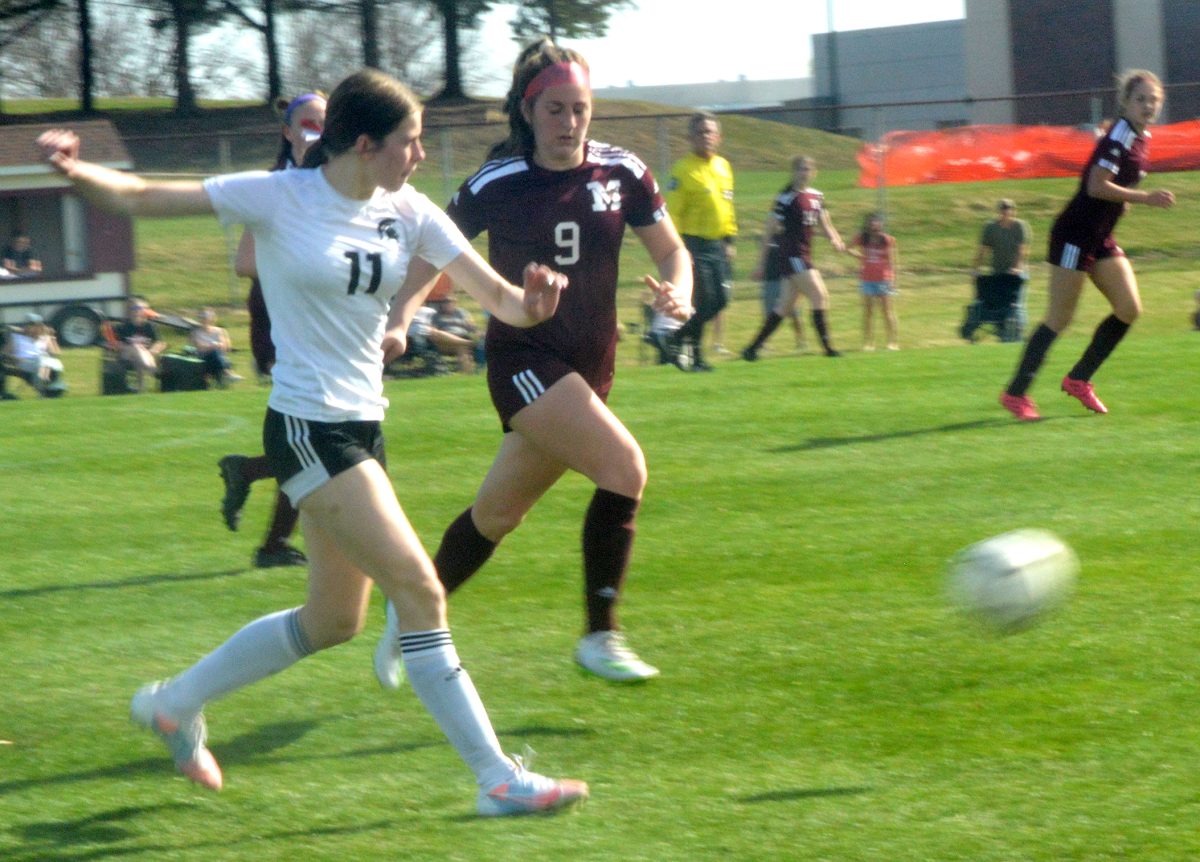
[(530, 62)]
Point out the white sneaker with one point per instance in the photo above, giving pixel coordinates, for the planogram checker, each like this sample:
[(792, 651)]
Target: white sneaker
[(529, 793), (389, 667), (185, 739), (607, 655)]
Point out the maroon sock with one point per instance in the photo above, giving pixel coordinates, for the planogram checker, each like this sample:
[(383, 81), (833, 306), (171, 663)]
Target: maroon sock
[(283, 523), (255, 468), (608, 531), (462, 553)]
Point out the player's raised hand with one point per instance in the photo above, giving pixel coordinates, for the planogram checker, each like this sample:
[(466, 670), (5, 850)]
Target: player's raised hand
[(668, 299), (542, 287), (60, 147)]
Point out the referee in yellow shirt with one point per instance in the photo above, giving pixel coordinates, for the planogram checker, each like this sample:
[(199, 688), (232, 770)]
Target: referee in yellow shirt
[(700, 200)]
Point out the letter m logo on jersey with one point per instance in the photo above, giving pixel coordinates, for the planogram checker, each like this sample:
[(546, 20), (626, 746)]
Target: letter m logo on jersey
[(605, 196)]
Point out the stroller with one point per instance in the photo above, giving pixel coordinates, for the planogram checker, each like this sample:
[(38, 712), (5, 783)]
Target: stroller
[(999, 304)]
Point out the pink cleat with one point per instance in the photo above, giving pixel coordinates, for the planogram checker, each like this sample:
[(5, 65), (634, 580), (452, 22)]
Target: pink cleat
[(1085, 392), (1021, 406), (529, 793), (185, 739)]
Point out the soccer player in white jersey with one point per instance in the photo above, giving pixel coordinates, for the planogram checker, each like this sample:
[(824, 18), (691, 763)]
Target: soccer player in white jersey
[(333, 245), (550, 193)]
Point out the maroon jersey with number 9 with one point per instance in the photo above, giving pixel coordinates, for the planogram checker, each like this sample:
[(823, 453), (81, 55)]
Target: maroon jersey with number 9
[(572, 221)]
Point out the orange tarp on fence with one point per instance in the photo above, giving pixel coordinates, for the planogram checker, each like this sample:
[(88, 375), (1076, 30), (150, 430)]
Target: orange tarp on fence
[(973, 153)]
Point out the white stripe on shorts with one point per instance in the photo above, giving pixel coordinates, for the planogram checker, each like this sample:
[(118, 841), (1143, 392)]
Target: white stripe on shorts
[(528, 385), (298, 442), (1070, 256), (797, 264)]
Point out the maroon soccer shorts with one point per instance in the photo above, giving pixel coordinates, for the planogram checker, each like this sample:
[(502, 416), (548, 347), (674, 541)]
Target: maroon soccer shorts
[(518, 378)]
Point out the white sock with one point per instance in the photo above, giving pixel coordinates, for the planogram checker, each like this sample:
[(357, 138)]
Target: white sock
[(434, 672), (262, 648)]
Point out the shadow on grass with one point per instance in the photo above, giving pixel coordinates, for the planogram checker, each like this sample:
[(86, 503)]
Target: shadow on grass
[(802, 793), (52, 841), (833, 442), (243, 749), (263, 741), (119, 585)]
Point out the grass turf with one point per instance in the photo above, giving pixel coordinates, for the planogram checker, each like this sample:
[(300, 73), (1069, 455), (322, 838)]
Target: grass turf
[(819, 699)]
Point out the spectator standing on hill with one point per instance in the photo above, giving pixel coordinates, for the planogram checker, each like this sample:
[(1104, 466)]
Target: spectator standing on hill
[(334, 243), (799, 210), (877, 254), (550, 192), (700, 199), (1082, 244), (303, 121)]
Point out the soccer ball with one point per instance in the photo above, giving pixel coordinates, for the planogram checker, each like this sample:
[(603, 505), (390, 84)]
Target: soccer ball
[(1009, 580)]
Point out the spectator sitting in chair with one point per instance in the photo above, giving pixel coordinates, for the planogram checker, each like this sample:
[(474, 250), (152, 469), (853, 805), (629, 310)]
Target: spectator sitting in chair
[(19, 258), (454, 333), (212, 346), (138, 343), (34, 353)]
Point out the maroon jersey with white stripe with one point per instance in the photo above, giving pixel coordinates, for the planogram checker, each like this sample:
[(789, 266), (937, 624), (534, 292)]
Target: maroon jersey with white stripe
[(798, 213), (572, 221), (1088, 220)]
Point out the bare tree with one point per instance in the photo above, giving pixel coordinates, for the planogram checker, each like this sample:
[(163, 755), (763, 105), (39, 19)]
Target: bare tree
[(323, 48), (569, 19)]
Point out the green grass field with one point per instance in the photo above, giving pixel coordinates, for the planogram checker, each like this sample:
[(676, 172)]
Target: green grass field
[(819, 698)]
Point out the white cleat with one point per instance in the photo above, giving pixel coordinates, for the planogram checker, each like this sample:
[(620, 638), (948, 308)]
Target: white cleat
[(607, 655), (185, 739), (389, 666)]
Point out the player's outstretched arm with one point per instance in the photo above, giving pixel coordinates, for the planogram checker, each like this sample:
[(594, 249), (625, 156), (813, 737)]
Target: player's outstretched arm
[(117, 191), (516, 307)]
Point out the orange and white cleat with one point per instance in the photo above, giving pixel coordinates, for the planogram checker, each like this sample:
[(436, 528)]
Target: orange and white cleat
[(529, 793), (185, 739), (1085, 392)]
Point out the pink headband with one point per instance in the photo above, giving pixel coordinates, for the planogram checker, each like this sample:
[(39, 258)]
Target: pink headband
[(554, 75)]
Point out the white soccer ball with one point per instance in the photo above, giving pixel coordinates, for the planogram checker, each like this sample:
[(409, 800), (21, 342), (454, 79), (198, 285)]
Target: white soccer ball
[(1009, 580)]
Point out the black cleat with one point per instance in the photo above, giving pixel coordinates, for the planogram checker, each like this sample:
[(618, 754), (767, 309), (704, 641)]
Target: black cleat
[(237, 489)]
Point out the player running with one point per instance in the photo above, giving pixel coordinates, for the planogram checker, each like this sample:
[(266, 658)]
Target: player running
[(333, 244), (550, 193), (1081, 243)]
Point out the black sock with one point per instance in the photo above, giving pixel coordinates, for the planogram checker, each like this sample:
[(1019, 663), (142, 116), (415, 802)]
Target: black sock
[(819, 324), (769, 326), (1107, 336), (282, 524), (608, 531), (1032, 359), (462, 553)]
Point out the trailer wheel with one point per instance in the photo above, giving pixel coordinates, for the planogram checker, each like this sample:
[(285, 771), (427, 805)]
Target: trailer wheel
[(77, 326)]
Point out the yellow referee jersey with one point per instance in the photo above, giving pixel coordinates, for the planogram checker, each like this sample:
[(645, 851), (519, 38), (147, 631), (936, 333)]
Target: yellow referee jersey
[(700, 197)]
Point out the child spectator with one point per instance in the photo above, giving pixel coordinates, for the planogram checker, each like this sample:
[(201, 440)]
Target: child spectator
[(877, 278)]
